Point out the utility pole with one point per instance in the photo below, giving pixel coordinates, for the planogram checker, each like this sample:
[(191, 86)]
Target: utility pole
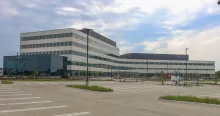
[(87, 58)]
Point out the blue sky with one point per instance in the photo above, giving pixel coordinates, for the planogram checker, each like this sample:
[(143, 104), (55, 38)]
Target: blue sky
[(159, 26)]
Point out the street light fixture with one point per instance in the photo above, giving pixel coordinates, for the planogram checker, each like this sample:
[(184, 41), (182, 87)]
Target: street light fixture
[(87, 57), (218, 2)]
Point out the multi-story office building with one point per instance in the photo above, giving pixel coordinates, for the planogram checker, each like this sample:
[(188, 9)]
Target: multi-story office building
[(104, 58)]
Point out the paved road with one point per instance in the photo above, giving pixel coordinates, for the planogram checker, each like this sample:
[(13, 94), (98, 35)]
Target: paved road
[(128, 99)]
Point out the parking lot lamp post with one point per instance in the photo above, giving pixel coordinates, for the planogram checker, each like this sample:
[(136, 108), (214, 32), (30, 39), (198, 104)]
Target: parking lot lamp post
[(186, 66), (17, 66), (147, 70), (111, 72), (87, 58)]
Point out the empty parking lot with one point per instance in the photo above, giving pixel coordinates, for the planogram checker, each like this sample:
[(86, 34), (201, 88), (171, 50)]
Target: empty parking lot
[(128, 99)]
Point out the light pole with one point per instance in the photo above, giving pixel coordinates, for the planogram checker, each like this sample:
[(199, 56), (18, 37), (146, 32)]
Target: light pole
[(186, 67), (218, 2), (87, 58), (111, 72), (147, 70), (167, 69), (17, 66)]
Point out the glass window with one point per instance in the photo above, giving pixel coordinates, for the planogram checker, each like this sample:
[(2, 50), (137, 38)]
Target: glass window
[(42, 37), (62, 35), (66, 44), (54, 44), (58, 44), (70, 43), (62, 43), (47, 36), (50, 36)]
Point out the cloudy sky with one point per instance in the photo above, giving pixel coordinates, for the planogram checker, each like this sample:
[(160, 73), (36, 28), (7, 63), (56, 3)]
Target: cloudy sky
[(147, 26)]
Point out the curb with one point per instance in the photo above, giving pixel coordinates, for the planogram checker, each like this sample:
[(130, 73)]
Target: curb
[(194, 103)]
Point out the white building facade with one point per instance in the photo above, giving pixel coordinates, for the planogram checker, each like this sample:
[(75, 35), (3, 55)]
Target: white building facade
[(104, 56)]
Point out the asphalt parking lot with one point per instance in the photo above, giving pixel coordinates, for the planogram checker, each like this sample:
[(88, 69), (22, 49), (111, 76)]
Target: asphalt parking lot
[(128, 99)]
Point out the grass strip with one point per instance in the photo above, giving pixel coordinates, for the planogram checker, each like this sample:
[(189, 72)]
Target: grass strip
[(6, 82), (207, 100), (92, 88)]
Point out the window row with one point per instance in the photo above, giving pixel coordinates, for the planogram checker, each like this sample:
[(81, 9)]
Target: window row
[(64, 35), (58, 44), (113, 61), (47, 36), (128, 68)]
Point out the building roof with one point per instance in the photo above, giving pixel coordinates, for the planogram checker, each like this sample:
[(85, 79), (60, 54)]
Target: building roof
[(99, 36)]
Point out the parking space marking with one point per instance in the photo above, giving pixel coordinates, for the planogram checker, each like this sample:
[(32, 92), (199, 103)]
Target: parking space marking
[(125, 90), (13, 92), (140, 88), (3, 90), (211, 95), (40, 83), (32, 109), (16, 95), (75, 114), (27, 83), (19, 98), (22, 103), (54, 83)]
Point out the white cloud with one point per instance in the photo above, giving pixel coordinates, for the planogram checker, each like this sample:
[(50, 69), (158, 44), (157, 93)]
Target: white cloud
[(126, 49), (203, 45), (7, 9), (179, 12)]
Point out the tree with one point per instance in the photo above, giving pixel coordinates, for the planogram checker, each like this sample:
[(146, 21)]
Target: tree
[(97, 74), (162, 77), (217, 76), (36, 73)]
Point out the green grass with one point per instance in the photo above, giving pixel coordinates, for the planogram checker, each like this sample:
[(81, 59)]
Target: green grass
[(92, 88), (192, 99), (208, 82), (58, 79), (46, 79), (6, 82)]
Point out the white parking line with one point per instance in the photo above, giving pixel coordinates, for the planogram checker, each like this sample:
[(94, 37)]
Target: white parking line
[(38, 102), (8, 90), (75, 114), (19, 98), (211, 95), (13, 92), (27, 83), (54, 83), (16, 95), (33, 109), (40, 83), (140, 89)]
